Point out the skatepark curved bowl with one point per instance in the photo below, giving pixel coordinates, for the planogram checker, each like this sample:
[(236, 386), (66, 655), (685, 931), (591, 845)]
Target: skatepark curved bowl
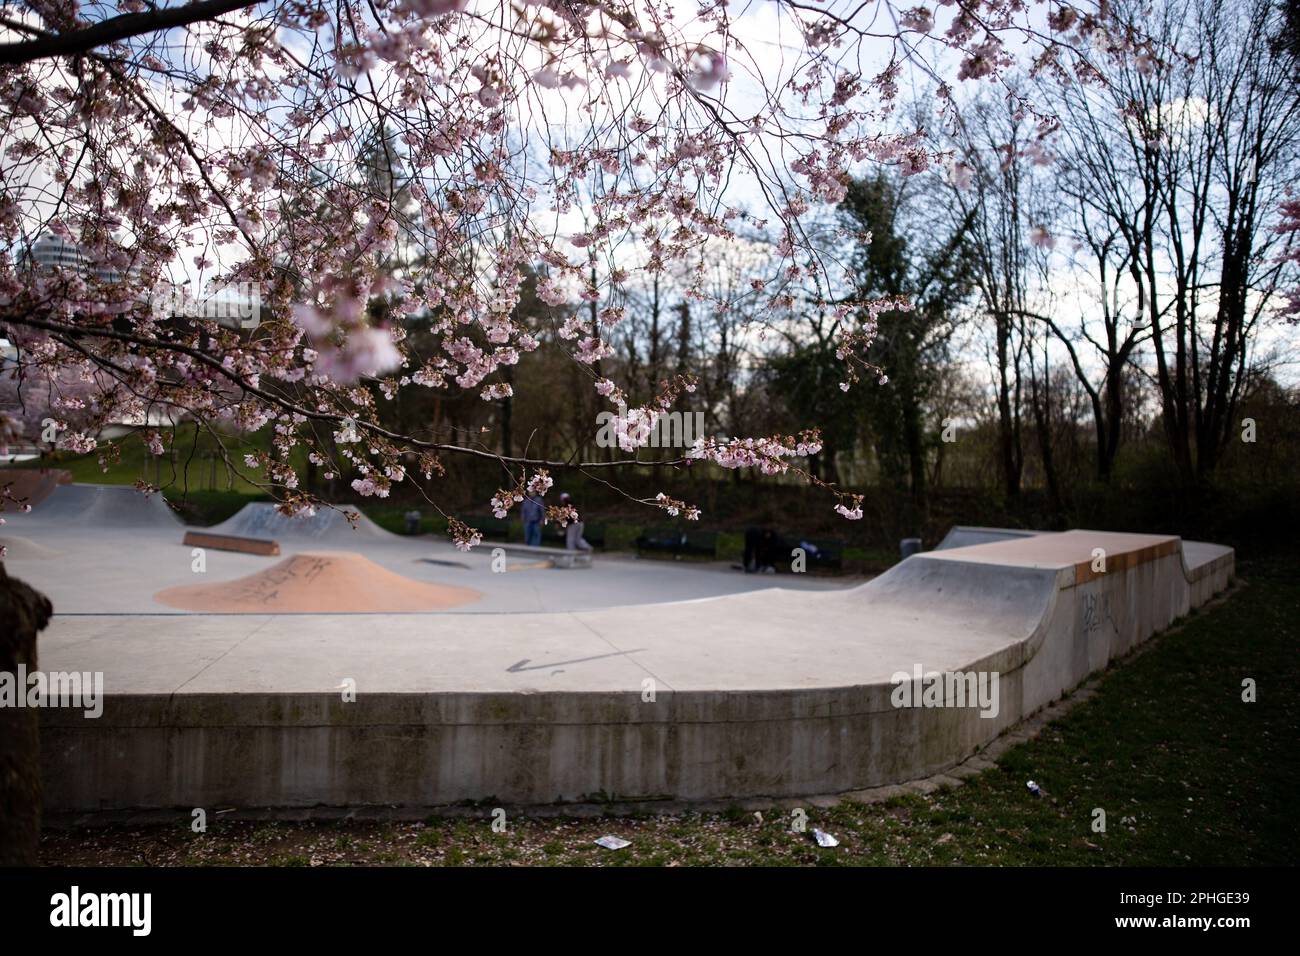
[(772, 693)]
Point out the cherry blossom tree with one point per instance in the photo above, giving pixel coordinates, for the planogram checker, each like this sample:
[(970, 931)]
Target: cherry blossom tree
[(575, 141)]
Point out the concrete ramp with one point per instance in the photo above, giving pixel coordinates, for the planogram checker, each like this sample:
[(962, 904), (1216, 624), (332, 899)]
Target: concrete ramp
[(1113, 591), (948, 598), (774, 693), (30, 486), (260, 519), (963, 536), (98, 506), (1208, 567)]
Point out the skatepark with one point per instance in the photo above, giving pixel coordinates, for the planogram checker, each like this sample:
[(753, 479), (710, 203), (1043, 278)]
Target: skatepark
[(360, 668)]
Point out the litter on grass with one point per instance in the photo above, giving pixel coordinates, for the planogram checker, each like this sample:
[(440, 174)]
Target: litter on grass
[(824, 839)]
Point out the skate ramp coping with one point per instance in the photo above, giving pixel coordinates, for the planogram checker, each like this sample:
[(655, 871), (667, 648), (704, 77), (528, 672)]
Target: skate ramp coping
[(262, 519), (1089, 554)]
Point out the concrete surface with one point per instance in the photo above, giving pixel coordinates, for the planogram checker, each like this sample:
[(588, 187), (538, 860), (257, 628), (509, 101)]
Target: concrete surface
[(119, 564), (86, 507), (778, 692)]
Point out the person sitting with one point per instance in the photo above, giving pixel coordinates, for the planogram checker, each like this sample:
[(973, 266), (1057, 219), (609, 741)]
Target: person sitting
[(573, 539)]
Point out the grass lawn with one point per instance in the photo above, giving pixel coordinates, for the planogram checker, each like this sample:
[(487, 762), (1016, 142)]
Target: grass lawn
[(187, 466), (1186, 772)]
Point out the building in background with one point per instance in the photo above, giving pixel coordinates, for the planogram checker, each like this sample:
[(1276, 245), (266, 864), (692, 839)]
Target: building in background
[(52, 252)]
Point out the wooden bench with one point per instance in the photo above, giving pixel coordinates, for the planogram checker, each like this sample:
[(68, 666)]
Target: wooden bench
[(678, 542), (231, 542)]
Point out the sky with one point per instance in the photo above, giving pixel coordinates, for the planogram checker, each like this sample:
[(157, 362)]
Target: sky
[(768, 43)]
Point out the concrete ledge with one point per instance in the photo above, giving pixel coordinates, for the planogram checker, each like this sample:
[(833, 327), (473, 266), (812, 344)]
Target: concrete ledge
[(230, 542), (769, 694), (559, 557)]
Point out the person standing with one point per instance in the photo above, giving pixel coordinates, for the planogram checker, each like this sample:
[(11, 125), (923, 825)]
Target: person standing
[(533, 511), (760, 550)]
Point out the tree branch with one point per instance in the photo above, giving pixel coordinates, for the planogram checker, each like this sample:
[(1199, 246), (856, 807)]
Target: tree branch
[(114, 29)]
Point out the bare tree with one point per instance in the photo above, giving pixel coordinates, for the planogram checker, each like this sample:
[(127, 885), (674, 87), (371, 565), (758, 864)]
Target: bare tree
[(995, 191), (1178, 163)]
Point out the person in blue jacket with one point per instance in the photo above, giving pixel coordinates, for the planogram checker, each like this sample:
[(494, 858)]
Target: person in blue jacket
[(533, 510)]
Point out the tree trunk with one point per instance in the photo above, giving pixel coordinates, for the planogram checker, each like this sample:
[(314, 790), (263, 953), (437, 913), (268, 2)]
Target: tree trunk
[(1043, 427), (1110, 431), (24, 612), (1006, 417), (914, 435)]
